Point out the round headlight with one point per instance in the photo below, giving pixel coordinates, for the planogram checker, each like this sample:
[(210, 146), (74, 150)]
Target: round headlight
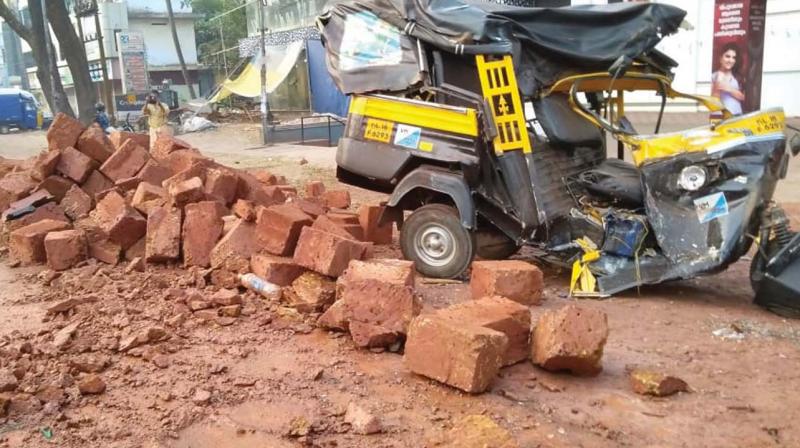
[(692, 178)]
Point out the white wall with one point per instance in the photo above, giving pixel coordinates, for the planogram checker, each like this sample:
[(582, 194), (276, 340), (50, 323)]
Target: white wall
[(158, 40), (157, 6)]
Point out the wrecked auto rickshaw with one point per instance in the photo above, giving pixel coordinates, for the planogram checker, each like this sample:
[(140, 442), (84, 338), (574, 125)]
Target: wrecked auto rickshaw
[(489, 123)]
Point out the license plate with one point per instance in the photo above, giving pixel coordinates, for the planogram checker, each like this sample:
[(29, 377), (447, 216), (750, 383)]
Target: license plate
[(378, 130)]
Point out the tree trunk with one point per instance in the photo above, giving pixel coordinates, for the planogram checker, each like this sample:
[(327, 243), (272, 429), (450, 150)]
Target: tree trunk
[(35, 37), (74, 52), (47, 67), (177, 43)]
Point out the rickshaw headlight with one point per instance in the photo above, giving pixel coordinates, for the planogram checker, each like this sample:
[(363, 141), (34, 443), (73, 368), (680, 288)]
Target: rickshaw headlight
[(692, 178)]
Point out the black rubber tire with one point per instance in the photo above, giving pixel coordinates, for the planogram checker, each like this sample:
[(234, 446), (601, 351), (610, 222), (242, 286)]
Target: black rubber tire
[(492, 244), (437, 222)]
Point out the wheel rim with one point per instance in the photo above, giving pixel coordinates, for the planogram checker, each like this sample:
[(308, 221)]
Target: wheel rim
[(435, 245)]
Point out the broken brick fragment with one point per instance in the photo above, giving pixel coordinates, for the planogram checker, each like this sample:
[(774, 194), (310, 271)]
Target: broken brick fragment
[(570, 338), (373, 231), (280, 271)]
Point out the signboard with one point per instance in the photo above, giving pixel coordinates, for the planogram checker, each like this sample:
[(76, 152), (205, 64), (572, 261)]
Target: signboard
[(130, 102), (738, 55), (133, 62)]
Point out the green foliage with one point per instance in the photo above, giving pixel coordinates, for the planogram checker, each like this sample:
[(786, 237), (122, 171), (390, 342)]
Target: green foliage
[(207, 32)]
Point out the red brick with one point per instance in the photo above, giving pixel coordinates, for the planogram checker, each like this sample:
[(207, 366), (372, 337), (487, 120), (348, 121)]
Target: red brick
[(244, 209), (147, 197), (94, 143), (128, 184), (26, 244), (49, 210), (183, 159), (75, 164), (117, 138), (165, 145), (368, 216), (240, 242), (96, 183), (279, 228), (337, 198), (56, 185), (251, 189), (63, 132), (315, 189), (14, 187), (281, 181), (222, 184), (163, 235), (350, 231), (310, 292), (228, 222), (76, 203), (226, 297), (197, 169), (154, 173), (202, 228), (105, 251), (186, 192), (45, 164), (379, 300), (335, 317), (458, 354), (125, 162), (513, 279), (570, 338), (327, 253), (265, 177), (658, 384), (500, 314), (123, 224), (342, 217), (277, 270), (93, 231), (65, 249), (310, 208)]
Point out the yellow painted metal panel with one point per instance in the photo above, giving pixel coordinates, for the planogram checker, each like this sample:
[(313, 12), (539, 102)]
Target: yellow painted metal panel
[(462, 121), (499, 86)]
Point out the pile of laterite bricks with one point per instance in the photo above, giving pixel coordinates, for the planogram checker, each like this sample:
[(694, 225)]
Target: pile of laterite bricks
[(112, 199)]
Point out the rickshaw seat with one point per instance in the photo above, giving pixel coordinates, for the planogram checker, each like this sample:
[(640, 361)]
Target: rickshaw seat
[(563, 126)]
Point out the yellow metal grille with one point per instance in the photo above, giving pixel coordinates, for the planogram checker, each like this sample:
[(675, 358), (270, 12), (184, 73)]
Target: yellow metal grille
[(499, 86)]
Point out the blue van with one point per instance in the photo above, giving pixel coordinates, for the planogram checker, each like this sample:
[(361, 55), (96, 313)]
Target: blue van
[(18, 109)]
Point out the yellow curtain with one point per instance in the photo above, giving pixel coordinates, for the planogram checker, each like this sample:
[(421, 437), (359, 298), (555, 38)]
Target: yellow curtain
[(280, 61)]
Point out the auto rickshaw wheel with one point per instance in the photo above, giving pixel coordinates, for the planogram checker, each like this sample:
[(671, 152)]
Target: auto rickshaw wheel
[(492, 244), (436, 241)]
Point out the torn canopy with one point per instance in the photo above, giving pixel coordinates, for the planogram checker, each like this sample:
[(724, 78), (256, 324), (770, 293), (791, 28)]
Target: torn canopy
[(281, 60), (371, 44)]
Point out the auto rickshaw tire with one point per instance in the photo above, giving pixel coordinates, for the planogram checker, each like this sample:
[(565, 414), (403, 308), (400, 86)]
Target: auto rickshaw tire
[(494, 245), (436, 241)]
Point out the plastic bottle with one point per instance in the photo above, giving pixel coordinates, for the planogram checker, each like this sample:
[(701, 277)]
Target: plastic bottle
[(259, 285)]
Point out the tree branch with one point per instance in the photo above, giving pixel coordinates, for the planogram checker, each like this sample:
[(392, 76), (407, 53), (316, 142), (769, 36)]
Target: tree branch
[(15, 23)]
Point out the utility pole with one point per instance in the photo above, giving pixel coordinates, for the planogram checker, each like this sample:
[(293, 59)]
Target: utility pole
[(109, 95), (264, 100)]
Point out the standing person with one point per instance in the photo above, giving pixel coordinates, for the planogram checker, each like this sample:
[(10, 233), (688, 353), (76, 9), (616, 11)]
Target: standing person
[(156, 113), (724, 82)]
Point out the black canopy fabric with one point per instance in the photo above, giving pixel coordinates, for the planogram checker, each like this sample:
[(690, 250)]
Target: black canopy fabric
[(547, 43)]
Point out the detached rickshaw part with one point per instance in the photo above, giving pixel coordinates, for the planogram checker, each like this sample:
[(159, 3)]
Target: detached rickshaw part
[(434, 238), (778, 288), (583, 282), (492, 244)]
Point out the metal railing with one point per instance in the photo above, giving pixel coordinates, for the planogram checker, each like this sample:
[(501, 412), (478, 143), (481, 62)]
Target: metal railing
[(328, 120)]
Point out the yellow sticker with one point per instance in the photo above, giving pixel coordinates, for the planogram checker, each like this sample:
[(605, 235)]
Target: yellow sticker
[(426, 146), (378, 130)]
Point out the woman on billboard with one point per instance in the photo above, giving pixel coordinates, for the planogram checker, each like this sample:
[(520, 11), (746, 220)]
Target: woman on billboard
[(724, 82)]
